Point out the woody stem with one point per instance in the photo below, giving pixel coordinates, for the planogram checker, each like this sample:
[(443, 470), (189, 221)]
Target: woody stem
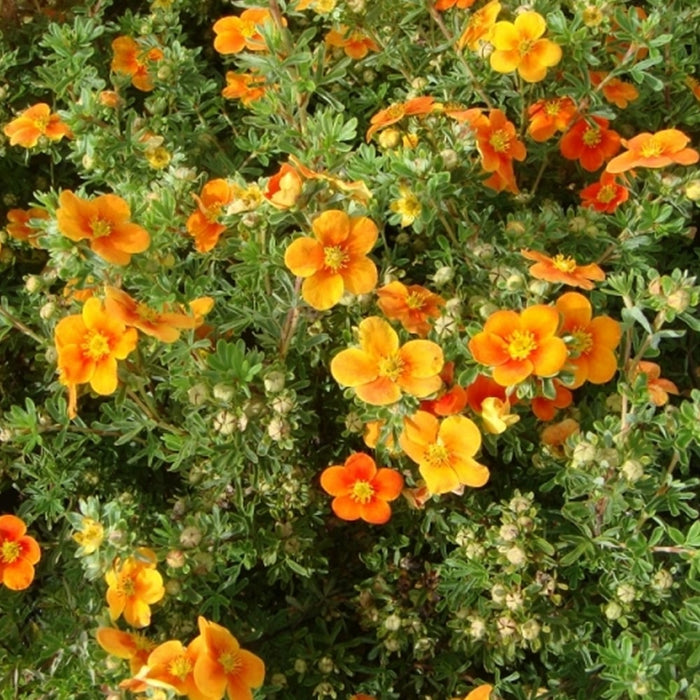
[(16, 323)]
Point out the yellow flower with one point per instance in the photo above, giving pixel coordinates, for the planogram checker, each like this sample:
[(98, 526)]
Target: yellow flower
[(408, 206), (90, 536)]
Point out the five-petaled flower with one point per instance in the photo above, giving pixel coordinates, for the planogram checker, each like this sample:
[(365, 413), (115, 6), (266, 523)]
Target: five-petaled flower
[(480, 26), (361, 491), (518, 46), (90, 535), (234, 33), (246, 87), (658, 387), (590, 142), (134, 585), (592, 340), (380, 370), (335, 260), (614, 90), (18, 553), (105, 222), (222, 666), (520, 345), (606, 195), (27, 128), (88, 346), (549, 116), (132, 646), (563, 269), (447, 4), (656, 150), (354, 43), (203, 224), (135, 59), (411, 305), (20, 226), (444, 451), (396, 112)]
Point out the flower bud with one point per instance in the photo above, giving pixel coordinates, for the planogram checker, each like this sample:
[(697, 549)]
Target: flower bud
[(530, 630), (274, 382), (32, 283), (278, 429), (626, 593), (393, 623), (223, 392), (225, 423), (197, 394), (389, 138), (300, 666), (175, 559), (326, 665), (47, 310), (190, 537)]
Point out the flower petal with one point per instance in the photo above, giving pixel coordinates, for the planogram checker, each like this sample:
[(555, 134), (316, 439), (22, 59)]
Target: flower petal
[(549, 357), (388, 484), (380, 392), (322, 290), (471, 473), (421, 359), (376, 511), (304, 257), (346, 508), (360, 276), (377, 337), (332, 227), (353, 367)]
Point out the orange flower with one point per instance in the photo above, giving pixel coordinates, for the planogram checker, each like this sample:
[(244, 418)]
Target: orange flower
[(162, 325), (593, 340), (549, 116), (498, 144), (519, 345), (335, 260), (136, 60), (89, 345), (482, 388), (546, 409), (614, 90), (126, 645), (590, 142), (245, 87), (557, 434), (105, 222), (480, 26), (563, 270), (26, 129), (694, 85), (20, 227), (222, 666), (233, 34), (354, 43), (518, 46), (395, 113), (412, 305), (483, 692), (448, 402), (606, 195), (18, 553), (658, 388), (134, 585), (284, 187), (372, 435), (171, 665), (654, 151), (380, 371), (447, 4), (360, 490), (444, 451), (203, 225)]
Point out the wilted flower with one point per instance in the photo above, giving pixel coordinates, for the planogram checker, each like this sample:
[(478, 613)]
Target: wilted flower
[(90, 536)]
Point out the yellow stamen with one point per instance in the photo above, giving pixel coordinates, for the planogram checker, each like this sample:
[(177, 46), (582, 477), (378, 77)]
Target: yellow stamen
[(9, 552), (582, 341), (334, 258), (414, 300), (606, 194), (521, 344), (247, 29), (230, 661), (391, 367), (362, 492), (127, 586), (437, 456), (180, 667), (100, 227), (500, 140), (564, 263), (591, 137), (552, 108), (651, 148), (96, 346)]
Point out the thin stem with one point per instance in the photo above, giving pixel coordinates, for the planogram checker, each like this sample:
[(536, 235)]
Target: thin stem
[(16, 323)]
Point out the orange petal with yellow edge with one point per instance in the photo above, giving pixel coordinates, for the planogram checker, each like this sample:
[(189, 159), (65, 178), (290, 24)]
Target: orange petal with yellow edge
[(322, 290), (512, 372), (549, 357), (380, 392), (304, 257), (422, 359), (353, 367)]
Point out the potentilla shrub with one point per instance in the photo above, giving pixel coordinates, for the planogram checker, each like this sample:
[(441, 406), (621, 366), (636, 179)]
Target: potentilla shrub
[(349, 350)]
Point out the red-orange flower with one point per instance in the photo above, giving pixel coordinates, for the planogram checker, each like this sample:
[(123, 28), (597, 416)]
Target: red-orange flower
[(563, 269), (136, 60), (360, 490), (590, 142), (126, 645), (284, 187), (482, 388), (134, 585), (593, 340), (606, 195), (203, 225), (614, 90), (396, 112), (518, 46), (222, 666), (103, 221), (545, 408), (354, 43), (447, 4), (412, 305), (89, 345), (380, 371), (480, 26), (165, 325), (519, 345), (549, 116), (26, 129), (444, 451), (20, 227), (335, 260), (498, 144), (246, 87), (449, 401), (18, 553), (234, 33), (657, 150), (658, 388)]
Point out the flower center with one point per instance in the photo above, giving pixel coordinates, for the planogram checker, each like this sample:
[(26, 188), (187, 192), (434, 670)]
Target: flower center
[(395, 112), (100, 227), (334, 258), (591, 137), (437, 456), (9, 552), (41, 123), (96, 346), (582, 342), (180, 667), (500, 140), (651, 148), (552, 108), (127, 586), (247, 29), (391, 367), (362, 492), (606, 194), (564, 263), (415, 301), (142, 643), (146, 313), (229, 661), (521, 344), (526, 46)]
